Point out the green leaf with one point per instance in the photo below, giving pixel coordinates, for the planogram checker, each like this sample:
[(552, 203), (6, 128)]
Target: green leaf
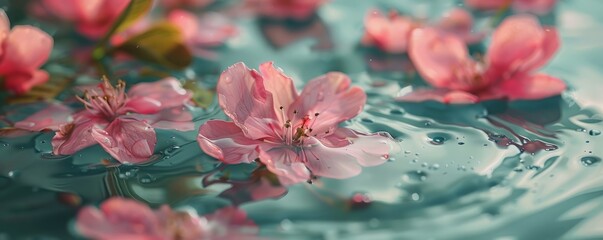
[(161, 44), (203, 97)]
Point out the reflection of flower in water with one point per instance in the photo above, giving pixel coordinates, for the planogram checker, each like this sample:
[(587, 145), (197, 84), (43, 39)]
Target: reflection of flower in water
[(296, 136), (519, 46), (120, 218)]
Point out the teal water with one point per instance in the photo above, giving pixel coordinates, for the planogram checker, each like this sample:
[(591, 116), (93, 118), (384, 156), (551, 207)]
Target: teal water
[(496, 170)]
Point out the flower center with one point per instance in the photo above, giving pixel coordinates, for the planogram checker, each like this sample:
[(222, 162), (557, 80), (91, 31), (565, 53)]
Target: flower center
[(108, 101), (471, 74), (297, 129)]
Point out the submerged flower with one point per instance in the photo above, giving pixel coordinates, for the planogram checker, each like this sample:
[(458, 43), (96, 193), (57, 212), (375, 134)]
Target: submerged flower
[(388, 33), (91, 18), (185, 3), (123, 123), (519, 46), (121, 219), (535, 6), (23, 50), (295, 135), (282, 9)]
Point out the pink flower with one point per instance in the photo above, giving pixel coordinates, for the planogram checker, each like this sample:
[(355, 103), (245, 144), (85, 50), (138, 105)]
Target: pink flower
[(459, 22), (22, 51), (388, 33), (185, 3), (519, 46), (52, 116), (534, 6), (211, 30), (121, 219), (123, 124), (282, 9), (92, 18), (296, 135)]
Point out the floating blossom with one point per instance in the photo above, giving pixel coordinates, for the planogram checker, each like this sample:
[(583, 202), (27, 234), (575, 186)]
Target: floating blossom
[(283, 9), (391, 34), (91, 18), (211, 30), (23, 50), (121, 219), (51, 117), (185, 3), (534, 6), (388, 33), (459, 22), (295, 135), (519, 46), (123, 124)]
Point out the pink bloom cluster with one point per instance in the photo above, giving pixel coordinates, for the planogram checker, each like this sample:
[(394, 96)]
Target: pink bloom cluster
[(22, 51), (282, 9), (92, 18), (519, 46), (392, 33), (534, 6), (295, 135), (123, 123), (123, 219)]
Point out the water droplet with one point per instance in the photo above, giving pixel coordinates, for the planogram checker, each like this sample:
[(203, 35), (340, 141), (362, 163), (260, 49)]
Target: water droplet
[(461, 143), (590, 160), (415, 196), (286, 225), (13, 174), (415, 176), (438, 140), (594, 132), (434, 166), (406, 152)]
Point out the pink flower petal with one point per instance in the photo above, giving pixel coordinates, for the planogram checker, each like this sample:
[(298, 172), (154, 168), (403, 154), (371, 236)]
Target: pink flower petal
[(119, 218), (532, 87), (185, 3), (534, 6), (366, 149), (388, 34), (127, 140), (279, 85), (332, 98), (51, 117), (226, 142), (22, 82), (438, 57), (243, 97), (186, 22), (439, 95), (75, 136), (214, 29), (286, 164), (26, 49), (520, 39), (60, 8), (232, 218), (176, 118), (168, 92), (4, 25), (486, 4), (331, 162)]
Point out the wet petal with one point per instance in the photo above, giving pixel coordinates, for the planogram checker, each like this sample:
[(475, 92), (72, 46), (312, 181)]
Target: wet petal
[(519, 40), (279, 85), (286, 164), (26, 49), (243, 97), (127, 140), (226, 142), (332, 97), (330, 162), (436, 56), (176, 118), (22, 82), (75, 136), (167, 92), (366, 149), (118, 218), (51, 117), (532, 87)]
